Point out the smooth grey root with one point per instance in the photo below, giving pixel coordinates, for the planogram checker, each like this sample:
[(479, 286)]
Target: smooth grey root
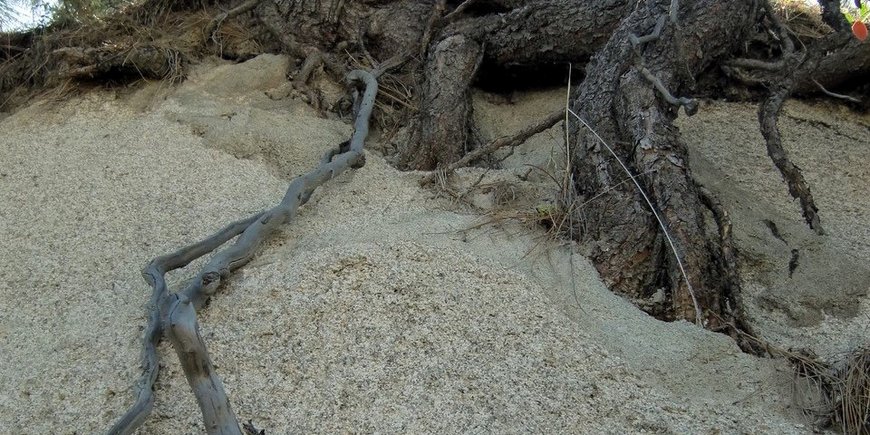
[(174, 314)]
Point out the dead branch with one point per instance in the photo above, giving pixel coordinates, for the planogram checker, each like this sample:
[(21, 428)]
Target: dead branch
[(175, 313), (200, 372), (154, 274), (512, 141)]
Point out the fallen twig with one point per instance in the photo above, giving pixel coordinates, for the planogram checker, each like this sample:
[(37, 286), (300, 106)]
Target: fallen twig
[(512, 141)]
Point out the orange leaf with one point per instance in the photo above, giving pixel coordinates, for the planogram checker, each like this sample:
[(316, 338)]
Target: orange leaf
[(860, 30)]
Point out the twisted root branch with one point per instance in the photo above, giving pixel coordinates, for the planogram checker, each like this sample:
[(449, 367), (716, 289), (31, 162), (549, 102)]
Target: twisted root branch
[(690, 105), (768, 116), (175, 313), (781, 78)]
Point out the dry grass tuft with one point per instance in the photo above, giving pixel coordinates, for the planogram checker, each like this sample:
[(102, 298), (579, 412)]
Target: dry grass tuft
[(395, 100), (804, 20), (155, 39), (855, 393), (831, 394), (515, 203), (834, 394)]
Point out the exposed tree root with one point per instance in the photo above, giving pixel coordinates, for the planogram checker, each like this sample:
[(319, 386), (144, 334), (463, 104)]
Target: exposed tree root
[(505, 141), (731, 301), (768, 115), (313, 61), (174, 314), (780, 76), (836, 95)]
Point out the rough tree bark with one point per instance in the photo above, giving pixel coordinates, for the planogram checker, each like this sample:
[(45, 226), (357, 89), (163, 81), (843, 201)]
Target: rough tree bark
[(538, 32), (620, 102), (444, 120)]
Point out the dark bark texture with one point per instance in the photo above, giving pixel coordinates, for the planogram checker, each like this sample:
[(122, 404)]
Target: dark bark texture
[(444, 120), (543, 32), (624, 108)]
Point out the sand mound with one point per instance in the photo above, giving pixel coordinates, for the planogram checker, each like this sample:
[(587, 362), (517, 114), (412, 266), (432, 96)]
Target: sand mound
[(373, 311), (804, 290)]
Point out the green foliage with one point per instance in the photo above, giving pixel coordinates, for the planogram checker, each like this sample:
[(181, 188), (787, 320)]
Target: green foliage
[(73, 11), (61, 12), (854, 14)]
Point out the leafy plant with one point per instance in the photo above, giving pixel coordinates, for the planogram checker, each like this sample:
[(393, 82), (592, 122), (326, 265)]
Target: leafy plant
[(857, 17), (860, 13)]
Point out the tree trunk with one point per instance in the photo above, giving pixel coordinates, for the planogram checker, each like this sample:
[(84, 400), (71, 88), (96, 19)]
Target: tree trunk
[(541, 32), (445, 120), (621, 104)]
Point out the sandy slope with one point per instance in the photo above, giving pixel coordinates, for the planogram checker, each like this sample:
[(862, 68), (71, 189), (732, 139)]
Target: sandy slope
[(823, 304), (372, 312)]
